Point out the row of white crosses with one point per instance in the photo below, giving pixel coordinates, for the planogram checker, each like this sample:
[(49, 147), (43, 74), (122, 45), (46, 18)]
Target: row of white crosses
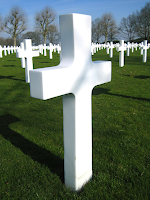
[(94, 47), (7, 50), (74, 78), (51, 48)]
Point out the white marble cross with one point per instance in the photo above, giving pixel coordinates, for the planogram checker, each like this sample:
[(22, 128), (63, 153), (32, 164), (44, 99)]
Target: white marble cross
[(44, 47), (128, 48), (107, 47), (122, 48), (132, 47), (111, 49), (23, 58), (145, 47), (28, 54), (50, 48), (5, 52), (74, 77), (141, 48)]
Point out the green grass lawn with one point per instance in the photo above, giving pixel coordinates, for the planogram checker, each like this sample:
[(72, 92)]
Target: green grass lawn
[(31, 134)]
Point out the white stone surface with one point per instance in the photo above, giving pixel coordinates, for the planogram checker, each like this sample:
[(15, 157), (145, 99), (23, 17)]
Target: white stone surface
[(111, 47), (44, 47), (74, 77), (122, 48), (50, 50), (145, 47), (28, 54), (128, 48), (4, 48)]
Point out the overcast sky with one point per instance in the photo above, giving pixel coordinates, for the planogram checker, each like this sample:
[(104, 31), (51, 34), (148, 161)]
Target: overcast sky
[(95, 8)]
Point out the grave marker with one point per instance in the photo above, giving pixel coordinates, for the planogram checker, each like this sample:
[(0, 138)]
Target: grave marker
[(50, 50), (111, 49), (122, 48), (5, 52), (145, 47), (28, 54), (128, 48), (78, 75)]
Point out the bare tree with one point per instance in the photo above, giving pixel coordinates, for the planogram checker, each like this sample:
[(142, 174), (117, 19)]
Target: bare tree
[(142, 22), (127, 27), (15, 22), (96, 30), (34, 36), (53, 34), (108, 25), (43, 20)]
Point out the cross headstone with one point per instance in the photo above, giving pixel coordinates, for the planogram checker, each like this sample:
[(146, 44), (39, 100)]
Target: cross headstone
[(5, 52), (111, 49), (74, 78), (122, 48), (107, 48), (128, 48), (50, 50), (23, 58), (145, 47), (141, 48), (28, 54), (132, 47), (44, 47)]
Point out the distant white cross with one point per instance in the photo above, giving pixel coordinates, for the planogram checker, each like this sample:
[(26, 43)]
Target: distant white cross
[(50, 48), (141, 48), (111, 47), (28, 54), (44, 47), (74, 77), (23, 58), (107, 47), (145, 47), (132, 47), (5, 52), (122, 48), (128, 48)]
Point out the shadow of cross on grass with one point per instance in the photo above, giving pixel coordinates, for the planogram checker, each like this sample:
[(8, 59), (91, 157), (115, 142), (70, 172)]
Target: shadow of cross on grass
[(140, 76), (11, 78), (99, 90), (39, 154)]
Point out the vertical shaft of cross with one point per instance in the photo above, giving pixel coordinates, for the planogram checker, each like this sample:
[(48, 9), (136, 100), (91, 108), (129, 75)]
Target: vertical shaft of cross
[(145, 51), (121, 53), (29, 66), (77, 139)]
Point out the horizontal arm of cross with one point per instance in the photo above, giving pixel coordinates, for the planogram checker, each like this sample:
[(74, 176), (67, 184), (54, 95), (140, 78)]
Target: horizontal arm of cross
[(51, 82), (25, 54)]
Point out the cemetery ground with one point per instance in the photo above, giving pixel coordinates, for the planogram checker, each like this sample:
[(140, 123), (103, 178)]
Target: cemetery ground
[(31, 134)]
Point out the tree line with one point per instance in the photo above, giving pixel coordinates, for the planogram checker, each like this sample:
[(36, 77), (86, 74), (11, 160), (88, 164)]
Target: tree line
[(136, 25), (15, 23)]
